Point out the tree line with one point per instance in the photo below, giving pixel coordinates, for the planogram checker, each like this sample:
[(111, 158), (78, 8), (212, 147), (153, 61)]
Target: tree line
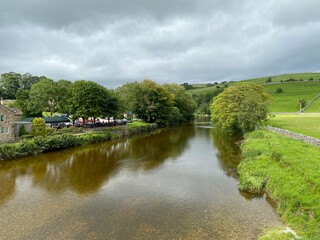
[(166, 104)]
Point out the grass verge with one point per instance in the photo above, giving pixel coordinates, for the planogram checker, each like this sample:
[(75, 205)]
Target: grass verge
[(306, 123), (289, 171)]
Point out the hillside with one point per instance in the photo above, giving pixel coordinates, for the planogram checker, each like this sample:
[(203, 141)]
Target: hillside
[(295, 87)]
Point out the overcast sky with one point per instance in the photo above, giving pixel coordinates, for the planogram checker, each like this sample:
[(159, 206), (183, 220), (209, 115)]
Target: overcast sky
[(197, 41)]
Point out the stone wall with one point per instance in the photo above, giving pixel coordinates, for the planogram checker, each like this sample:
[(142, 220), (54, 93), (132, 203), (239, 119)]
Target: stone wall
[(11, 116), (298, 136)]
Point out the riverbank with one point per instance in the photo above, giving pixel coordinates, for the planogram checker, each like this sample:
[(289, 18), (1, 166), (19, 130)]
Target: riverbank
[(62, 140), (288, 171)]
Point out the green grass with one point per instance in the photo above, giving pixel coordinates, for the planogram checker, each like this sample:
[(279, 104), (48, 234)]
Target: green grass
[(204, 90), (314, 107), (291, 173), (288, 100), (307, 124), (284, 77), (137, 124)]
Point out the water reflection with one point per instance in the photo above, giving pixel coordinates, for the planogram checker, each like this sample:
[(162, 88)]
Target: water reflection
[(84, 170), (228, 151)]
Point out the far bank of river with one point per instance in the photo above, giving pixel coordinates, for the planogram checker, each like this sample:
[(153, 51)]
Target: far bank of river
[(175, 183)]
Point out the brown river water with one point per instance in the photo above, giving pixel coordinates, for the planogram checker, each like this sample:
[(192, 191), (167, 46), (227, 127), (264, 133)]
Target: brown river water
[(176, 183)]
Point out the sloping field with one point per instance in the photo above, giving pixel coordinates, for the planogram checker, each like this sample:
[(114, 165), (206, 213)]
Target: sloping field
[(284, 77), (314, 107), (288, 100)]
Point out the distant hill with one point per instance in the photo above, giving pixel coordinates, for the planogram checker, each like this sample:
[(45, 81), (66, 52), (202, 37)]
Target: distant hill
[(295, 87)]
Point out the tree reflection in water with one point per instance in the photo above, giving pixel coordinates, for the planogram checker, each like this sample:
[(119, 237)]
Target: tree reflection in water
[(228, 151), (85, 169)]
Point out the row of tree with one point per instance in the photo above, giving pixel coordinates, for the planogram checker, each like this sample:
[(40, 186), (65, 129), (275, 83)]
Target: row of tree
[(164, 104)]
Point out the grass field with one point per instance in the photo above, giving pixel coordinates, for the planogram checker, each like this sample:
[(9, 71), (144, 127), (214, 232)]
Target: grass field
[(204, 90), (284, 77), (288, 100), (314, 107), (289, 171), (307, 124)]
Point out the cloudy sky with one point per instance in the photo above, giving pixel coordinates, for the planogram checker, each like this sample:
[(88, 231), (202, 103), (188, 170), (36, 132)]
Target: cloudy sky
[(116, 41)]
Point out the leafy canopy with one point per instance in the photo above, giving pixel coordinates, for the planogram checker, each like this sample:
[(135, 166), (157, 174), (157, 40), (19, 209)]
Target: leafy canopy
[(240, 108)]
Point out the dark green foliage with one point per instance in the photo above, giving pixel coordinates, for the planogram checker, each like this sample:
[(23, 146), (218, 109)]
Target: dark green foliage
[(279, 90), (269, 80), (302, 103), (187, 86), (34, 145), (22, 131)]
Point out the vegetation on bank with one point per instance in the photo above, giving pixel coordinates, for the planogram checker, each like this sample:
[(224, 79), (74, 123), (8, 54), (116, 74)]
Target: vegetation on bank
[(288, 170), (165, 105), (240, 108), (306, 124), (62, 140)]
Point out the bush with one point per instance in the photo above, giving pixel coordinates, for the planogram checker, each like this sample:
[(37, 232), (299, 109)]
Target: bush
[(279, 90), (38, 127), (22, 131)]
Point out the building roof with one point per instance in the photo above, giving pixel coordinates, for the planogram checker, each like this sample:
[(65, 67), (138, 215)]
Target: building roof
[(49, 119)]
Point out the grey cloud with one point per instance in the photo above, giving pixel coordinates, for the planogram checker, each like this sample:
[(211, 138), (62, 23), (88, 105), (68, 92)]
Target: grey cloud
[(113, 42)]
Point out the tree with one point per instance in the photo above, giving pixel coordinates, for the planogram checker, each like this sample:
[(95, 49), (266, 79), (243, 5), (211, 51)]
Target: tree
[(9, 84), (38, 127), (63, 93), (153, 102), (89, 99), (44, 96), (240, 108), (182, 101), (27, 80), (269, 80)]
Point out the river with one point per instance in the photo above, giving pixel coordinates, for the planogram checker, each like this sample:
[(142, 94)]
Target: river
[(176, 183)]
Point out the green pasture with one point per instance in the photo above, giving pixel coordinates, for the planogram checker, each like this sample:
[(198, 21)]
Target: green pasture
[(288, 100), (314, 107), (284, 77), (288, 170), (305, 123), (197, 91)]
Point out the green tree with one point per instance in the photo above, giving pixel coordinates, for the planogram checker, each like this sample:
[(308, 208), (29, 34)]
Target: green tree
[(127, 95), (9, 84), (27, 80), (38, 127), (269, 80), (240, 108), (153, 103), (63, 88), (44, 96), (89, 99), (182, 101)]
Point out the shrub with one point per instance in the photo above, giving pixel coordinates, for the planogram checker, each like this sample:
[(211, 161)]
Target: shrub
[(22, 131), (279, 90), (38, 127)]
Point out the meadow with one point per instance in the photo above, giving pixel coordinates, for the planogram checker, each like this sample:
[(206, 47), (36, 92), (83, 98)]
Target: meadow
[(307, 124), (292, 92), (285, 77), (288, 170)]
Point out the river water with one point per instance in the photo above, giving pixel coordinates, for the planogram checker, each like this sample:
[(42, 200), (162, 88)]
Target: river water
[(176, 183)]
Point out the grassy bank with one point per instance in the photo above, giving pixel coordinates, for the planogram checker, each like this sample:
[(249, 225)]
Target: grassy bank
[(307, 124), (62, 140), (288, 100), (289, 171)]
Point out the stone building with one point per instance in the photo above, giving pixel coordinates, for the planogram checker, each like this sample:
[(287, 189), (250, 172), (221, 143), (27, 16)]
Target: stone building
[(8, 117)]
